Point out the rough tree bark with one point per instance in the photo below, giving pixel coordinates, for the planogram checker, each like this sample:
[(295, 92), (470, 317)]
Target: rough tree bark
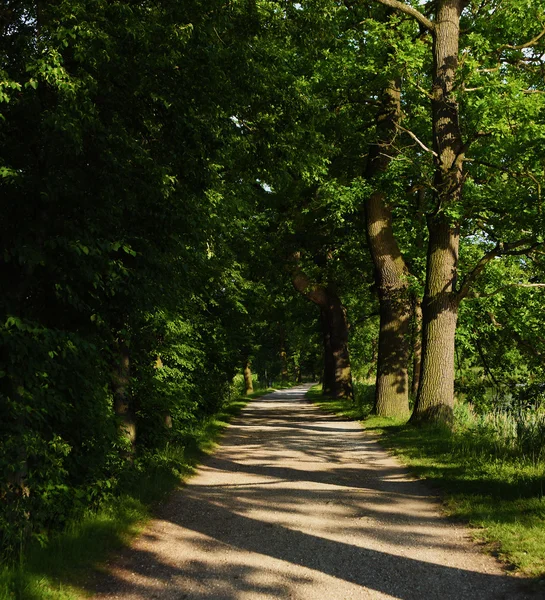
[(337, 373), (335, 317), (417, 346), (392, 387), (328, 380), (435, 399)]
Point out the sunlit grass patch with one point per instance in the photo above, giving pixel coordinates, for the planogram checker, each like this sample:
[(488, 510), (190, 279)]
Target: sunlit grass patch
[(357, 409)]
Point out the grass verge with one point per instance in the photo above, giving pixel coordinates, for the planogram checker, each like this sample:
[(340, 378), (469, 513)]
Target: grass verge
[(501, 497), (60, 570)]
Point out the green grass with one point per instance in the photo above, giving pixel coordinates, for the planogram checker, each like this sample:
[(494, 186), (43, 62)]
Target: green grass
[(357, 410), (496, 488), (59, 570)]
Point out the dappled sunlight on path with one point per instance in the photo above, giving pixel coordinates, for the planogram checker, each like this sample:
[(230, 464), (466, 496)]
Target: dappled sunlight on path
[(299, 504)]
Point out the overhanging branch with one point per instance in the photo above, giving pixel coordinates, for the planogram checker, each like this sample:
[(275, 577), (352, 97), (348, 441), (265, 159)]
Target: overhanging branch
[(409, 10), (302, 283), (519, 247), (415, 138), (506, 287), (529, 44)]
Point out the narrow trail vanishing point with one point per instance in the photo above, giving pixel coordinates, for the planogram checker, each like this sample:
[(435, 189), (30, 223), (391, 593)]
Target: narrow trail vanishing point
[(299, 504)]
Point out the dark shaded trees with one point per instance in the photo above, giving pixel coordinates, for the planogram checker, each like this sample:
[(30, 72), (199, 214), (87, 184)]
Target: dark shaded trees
[(118, 284)]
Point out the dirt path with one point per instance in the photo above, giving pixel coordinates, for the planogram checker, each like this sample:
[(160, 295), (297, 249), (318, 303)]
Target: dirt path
[(299, 504)]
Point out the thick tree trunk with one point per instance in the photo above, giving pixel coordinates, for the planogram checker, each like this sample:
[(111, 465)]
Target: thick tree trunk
[(392, 386), (120, 384), (435, 398), (391, 392), (337, 373), (248, 380), (338, 330)]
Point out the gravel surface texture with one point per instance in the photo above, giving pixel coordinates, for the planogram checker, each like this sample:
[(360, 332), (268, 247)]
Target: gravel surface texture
[(299, 504)]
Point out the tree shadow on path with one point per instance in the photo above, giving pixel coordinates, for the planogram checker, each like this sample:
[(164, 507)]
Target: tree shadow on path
[(221, 530), (245, 528)]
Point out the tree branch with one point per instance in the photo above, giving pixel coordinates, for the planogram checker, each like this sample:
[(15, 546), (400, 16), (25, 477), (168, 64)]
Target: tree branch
[(507, 286), (301, 282), (531, 347), (409, 10), (508, 171), (413, 136), (532, 42), (421, 89), (501, 249), (486, 366), (478, 269)]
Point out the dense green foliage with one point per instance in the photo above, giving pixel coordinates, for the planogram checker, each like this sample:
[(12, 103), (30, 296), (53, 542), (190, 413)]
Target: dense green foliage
[(118, 229), (60, 569), (167, 171)]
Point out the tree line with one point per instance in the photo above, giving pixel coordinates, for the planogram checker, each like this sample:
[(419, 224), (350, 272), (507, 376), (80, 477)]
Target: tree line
[(349, 190)]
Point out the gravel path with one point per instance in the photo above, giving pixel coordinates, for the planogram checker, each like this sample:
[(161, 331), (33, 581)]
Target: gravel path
[(299, 504)]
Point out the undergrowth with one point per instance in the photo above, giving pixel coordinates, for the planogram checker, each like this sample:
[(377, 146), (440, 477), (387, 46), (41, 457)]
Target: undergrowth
[(489, 468), (59, 569)]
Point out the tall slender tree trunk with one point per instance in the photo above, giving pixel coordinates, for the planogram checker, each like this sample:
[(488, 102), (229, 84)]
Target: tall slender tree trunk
[(392, 386), (435, 398), (18, 478), (417, 303), (167, 416), (374, 357), (284, 360), (120, 385), (248, 379)]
